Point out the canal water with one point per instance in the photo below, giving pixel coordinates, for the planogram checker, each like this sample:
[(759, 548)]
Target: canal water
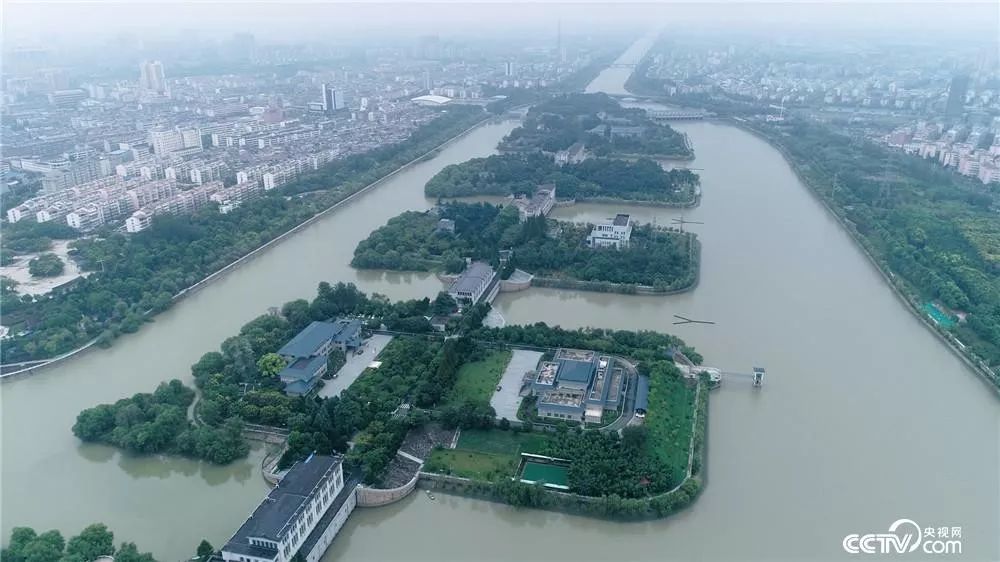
[(864, 418)]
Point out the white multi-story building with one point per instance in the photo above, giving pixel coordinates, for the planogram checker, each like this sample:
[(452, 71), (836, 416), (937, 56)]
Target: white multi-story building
[(303, 513), (615, 234), (139, 221)]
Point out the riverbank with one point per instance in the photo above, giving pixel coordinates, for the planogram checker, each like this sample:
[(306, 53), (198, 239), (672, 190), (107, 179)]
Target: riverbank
[(348, 197), (902, 292)]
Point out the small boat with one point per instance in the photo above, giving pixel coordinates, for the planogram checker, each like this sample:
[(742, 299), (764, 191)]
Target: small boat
[(430, 495)]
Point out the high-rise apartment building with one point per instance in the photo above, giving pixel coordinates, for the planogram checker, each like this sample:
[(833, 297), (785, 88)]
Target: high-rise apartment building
[(152, 78)]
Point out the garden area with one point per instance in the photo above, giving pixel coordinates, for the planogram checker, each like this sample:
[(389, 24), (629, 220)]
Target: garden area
[(477, 380)]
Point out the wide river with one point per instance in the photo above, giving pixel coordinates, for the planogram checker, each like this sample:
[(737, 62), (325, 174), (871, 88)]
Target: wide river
[(864, 418)]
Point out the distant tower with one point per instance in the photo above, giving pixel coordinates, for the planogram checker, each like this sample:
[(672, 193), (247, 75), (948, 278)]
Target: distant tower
[(427, 80), (327, 99), (151, 77), (508, 68), (956, 95)]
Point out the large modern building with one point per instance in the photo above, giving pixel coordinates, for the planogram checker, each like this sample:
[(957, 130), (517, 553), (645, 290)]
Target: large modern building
[(307, 352), (333, 100), (477, 282), (615, 234), (577, 386), (301, 515)]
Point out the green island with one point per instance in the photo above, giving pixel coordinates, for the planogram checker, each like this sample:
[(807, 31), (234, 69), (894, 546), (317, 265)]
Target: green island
[(640, 457), (594, 179), (599, 123), (654, 260)]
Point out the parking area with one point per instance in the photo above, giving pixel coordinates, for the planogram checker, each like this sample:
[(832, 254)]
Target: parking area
[(355, 365), (507, 399)]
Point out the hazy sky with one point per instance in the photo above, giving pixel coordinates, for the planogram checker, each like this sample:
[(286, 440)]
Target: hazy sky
[(65, 21)]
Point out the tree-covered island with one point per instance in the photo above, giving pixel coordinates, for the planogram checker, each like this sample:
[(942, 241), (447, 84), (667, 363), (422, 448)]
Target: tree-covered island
[(654, 259), (446, 384), (589, 148), (598, 122)]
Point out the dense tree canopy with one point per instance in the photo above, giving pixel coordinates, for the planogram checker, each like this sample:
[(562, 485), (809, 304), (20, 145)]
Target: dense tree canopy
[(26, 545), (560, 121), (411, 241), (46, 265), (157, 423), (515, 174)]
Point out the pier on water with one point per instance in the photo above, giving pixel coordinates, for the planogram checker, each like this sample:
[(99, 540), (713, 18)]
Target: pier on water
[(715, 374)]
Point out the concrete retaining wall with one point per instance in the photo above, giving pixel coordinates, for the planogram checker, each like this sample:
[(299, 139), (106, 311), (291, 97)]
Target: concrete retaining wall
[(373, 497)]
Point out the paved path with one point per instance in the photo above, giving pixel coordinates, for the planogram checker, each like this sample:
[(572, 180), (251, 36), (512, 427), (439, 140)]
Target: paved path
[(506, 401), (355, 365)]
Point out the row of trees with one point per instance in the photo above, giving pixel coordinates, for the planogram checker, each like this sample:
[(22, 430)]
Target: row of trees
[(133, 274), (95, 541), (655, 257), (157, 423), (515, 174)]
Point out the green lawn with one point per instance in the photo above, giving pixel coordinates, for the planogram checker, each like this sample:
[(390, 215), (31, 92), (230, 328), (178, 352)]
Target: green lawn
[(478, 380), (497, 441), (472, 464), (671, 411)]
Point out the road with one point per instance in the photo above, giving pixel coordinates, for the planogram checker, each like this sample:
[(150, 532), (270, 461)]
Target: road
[(507, 399), (355, 365)]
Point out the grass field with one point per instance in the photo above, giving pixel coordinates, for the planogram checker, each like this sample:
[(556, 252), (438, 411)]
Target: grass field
[(671, 412), (496, 441), (478, 380), (472, 464)]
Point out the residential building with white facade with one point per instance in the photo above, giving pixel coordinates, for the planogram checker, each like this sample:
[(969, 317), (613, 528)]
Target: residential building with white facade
[(615, 234)]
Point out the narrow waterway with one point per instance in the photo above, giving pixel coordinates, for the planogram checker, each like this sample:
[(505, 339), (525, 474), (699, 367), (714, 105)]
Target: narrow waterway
[(865, 417)]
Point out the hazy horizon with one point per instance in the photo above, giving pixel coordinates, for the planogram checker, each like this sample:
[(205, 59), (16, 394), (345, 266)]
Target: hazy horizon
[(62, 23)]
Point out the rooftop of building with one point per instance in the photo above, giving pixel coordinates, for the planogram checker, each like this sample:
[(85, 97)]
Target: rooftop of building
[(272, 518), (642, 393), (620, 219), (431, 99), (313, 336), (302, 369), (474, 275)]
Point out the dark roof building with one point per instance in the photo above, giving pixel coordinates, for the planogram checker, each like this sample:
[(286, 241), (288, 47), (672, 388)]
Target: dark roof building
[(642, 395), (277, 529), (307, 352), (473, 283)]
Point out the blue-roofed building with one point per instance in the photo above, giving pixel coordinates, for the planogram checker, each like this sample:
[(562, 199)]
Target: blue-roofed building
[(577, 386), (307, 352), (310, 503)]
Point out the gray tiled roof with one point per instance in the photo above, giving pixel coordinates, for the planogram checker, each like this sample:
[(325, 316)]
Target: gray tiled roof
[(272, 517), (310, 339)]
